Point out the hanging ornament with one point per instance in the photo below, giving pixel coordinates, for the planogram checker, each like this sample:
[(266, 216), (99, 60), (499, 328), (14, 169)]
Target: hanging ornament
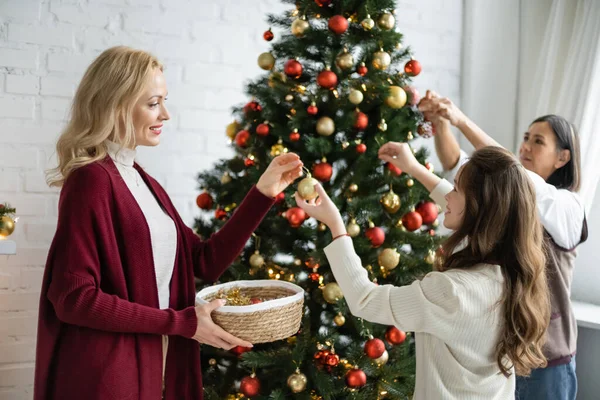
[(394, 170), (356, 378), (362, 69), (323, 3), (325, 126), (250, 386), (382, 126), (226, 178), (315, 277), (204, 201), (430, 257), (374, 347), (312, 109), (251, 107), (394, 336), (410, 183), (327, 79), (239, 350), (297, 381), (376, 236), (295, 216), (257, 260), (289, 97), (280, 197), (266, 61), (263, 129), (428, 211), (391, 202), (367, 23), (396, 97), (339, 319), (412, 221), (386, 21), (353, 187), (352, 228), (299, 27), (294, 136), (220, 214), (322, 171), (389, 259), (232, 129), (383, 359), (7, 226), (268, 35), (306, 188), (345, 145), (361, 148), (381, 60), (278, 149), (242, 138), (355, 96), (332, 360), (338, 24), (361, 121), (332, 293), (412, 67), (413, 95), (409, 136), (344, 60), (322, 227), (292, 68)]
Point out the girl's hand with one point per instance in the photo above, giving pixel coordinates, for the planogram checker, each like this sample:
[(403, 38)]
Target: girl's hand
[(324, 210), (400, 155), (207, 332), (280, 173), (435, 107)]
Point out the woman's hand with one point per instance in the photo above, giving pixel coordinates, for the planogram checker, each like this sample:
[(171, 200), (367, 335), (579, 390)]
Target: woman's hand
[(435, 107), (207, 332), (324, 210), (280, 173), (400, 155)]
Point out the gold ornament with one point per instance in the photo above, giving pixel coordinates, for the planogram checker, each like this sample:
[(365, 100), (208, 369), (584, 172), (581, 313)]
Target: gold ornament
[(367, 23), (382, 125), (212, 362), (289, 97), (430, 257), (410, 182), (396, 98), (325, 126), (276, 77), (344, 60), (409, 136), (7, 226), (383, 359), (332, 293), (256, 260), (266, 61), (297, 262), (355, 97), (232, 130), (297, 381), (391, 202), (322, 227), (389, 259), (226, 178), (381, 60), (278, 149), (306, 188), (386, 21), (299, 26), (345, 145), (353, 187), (352, 228), (339, 319)]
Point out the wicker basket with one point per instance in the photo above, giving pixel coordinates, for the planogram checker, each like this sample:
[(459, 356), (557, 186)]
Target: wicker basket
[(264, 322)]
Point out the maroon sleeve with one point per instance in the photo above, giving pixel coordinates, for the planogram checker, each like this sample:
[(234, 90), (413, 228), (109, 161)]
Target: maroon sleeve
[(74, 288)]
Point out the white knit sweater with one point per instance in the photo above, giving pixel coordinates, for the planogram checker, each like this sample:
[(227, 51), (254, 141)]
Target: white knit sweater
[(455, 316)]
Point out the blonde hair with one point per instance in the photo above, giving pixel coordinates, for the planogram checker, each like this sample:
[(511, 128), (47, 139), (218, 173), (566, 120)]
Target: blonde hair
[(102, 109)]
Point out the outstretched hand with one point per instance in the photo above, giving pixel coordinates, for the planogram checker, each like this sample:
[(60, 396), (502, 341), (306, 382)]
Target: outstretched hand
[(400, 155), (323, 209), (435, 107), (207, 332), (280, 173)]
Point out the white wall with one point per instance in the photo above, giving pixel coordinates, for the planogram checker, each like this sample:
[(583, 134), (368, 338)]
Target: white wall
[(209, 48)]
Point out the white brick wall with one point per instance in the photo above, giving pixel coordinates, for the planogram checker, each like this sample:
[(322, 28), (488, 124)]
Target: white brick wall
[(209, 50)]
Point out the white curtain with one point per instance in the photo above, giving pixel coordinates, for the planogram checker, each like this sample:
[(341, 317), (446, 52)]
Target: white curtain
[(560, 73)]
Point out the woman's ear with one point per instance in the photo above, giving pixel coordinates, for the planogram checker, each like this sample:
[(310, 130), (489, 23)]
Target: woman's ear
[(564, 156)]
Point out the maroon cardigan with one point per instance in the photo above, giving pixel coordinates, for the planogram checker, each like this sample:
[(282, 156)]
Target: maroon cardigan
[(99, 328)]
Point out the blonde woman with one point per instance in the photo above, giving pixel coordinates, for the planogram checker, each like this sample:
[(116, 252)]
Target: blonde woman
[(117, 314)]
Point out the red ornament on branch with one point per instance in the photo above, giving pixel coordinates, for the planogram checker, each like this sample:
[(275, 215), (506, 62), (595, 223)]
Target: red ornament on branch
[(252, 106), (292, 68), (239, 350), (220, 214), (361, 148), (204, 201), (327, 79), (338, 24), (412, 221), (280, 197), (356, 378), (374, 348), (362, 121), (242, 138), (362, 69), (428, 211), (250, 386), (394, 336), (312, 109), (262, 129), (249, 162), (376, 235), (322, 171), (295, 216), (393, 169), (412, 68), (323, 3), (294, 136), (268, 35)]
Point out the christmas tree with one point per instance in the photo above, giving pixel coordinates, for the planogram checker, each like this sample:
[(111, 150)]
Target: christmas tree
[(337, 87)]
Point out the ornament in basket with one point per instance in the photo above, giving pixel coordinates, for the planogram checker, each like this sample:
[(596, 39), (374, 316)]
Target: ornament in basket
[(258, 311)]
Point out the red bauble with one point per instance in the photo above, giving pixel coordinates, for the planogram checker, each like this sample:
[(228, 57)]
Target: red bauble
[(268, 35), (362, 69), (294, 136), (312, 109), (393, 169), (252, 106), (280, 197), (374, 348), (323, 3), (338, 24), (314, 276), (412, 68), (248, 162), (242, 138), (428, 211), (292, 68), (327, 79), (255, 300), (239, 350), (394, 335), (362, 121), (412, 221), (204, 201), (361, 148), (321, 355), (295, 216), (356, 378), (332, 360), (311, 263), (262, 129), (250, 386), (220, 214), (323, 171), (376, 235)]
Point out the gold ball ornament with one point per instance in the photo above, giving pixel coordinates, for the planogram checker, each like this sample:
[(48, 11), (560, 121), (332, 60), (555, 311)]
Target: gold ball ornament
[(391, 202), (232, 130), (289, 97), (389, 259), (396, 97), (352, 228), (353, 187), (410, 183), (306, 188), (322, 227), (266, 61), (278, 149), (297, 382), (332, 293), (339, 320), (367, 23), (256, 260), (7, 226), (212, 362), (386, 21), (299, 27), (381, 60), (383, 359), (430, 257), (355, 97), (344, 60), (226, 178), (297, 262), (382, 125), (325, 126)]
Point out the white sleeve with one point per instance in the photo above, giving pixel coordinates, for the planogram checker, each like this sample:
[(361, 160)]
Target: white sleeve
[(451, 173), (438, 194), (561, 212), (431, 305)]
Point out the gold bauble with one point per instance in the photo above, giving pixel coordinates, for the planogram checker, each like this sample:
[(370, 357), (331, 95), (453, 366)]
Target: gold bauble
[(332, 293), (232, 130), (386, 21), (256, 260), (299, 26), (382, 125), (355, 97), (383, 359), (352, 228), (306, 188), (278, 149), (289, 97), (391, 202), (322, 227), (353, 187), (389, 258), (381, 60), (266, 61), (226, 178), (367, 23), (409, 136), (345, 145), (325, 126), (430, 258), (396, 98), (276, 77), (212, 362), (7, 226), (297, 382), (297, 262), (410, 182), (339, 320), (345, 60)]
